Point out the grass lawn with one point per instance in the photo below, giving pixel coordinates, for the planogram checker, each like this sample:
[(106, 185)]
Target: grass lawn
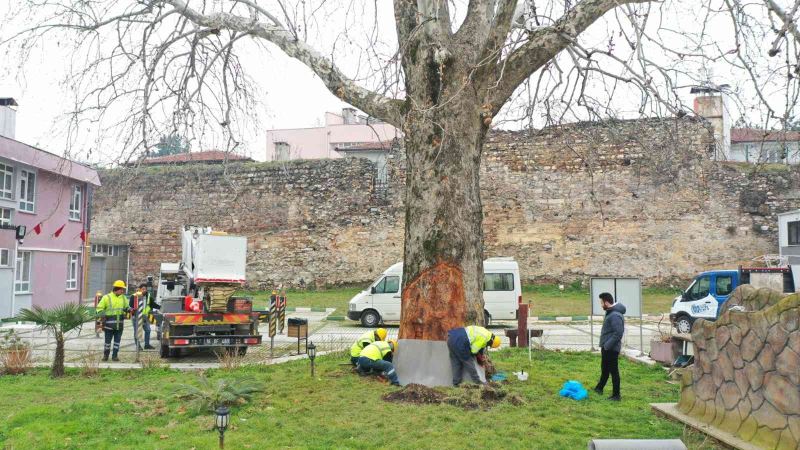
[(329, 298), (547, 300), (136, 409)]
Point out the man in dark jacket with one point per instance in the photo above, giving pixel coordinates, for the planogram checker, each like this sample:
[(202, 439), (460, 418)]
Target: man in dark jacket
[(611, 344)]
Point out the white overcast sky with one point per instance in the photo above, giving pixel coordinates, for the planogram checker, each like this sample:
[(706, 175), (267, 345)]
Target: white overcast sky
[(292, 96)]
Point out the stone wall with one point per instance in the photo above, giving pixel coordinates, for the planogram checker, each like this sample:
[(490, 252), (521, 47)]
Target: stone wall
[(745, 379), (628, 198), (316, 221)]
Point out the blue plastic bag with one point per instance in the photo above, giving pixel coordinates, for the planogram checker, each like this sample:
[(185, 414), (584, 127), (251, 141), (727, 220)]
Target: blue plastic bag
[(499, 376), (574, 390)]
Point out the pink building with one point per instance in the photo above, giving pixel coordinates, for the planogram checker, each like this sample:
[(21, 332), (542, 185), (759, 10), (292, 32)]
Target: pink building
[(340, 131), (50, 197)]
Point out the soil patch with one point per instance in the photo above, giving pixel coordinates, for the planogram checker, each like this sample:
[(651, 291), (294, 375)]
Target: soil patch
[(469, 396), (417, 394)]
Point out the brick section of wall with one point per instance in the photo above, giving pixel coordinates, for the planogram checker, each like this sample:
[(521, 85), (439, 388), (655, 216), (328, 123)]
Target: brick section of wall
[(627, 198), (745, 378)]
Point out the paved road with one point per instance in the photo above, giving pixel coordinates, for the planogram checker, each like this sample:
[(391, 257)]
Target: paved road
[(328, 336)]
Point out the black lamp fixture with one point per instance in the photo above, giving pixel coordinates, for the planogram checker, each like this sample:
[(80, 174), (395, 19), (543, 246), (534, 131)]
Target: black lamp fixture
[(221, 423), (312, 353)]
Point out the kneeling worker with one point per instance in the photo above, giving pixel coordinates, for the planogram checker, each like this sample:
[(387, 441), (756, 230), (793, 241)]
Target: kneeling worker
[(364, 340), (464, 344), (377, 357)]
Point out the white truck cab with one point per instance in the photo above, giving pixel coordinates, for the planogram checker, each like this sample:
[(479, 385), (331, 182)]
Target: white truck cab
[(380, 302)]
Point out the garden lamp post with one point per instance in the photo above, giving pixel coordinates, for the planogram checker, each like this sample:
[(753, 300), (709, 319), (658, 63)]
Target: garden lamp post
[(221, 423), (312, 353)]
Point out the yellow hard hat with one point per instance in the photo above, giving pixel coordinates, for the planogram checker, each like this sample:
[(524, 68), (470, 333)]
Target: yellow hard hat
[(495, 341), (120, 284), (381, 333), (393, 343)]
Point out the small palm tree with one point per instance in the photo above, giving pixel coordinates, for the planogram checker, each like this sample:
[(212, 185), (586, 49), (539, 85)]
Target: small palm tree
[(60, 320), (208, 395)]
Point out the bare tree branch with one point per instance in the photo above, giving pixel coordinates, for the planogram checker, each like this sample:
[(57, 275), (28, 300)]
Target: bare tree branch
[(544, 44), (373, 104)]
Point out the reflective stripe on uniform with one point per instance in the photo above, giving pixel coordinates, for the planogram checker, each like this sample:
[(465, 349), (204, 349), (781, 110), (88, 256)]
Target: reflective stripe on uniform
[(478, 338), (363, 341), (377, 350)]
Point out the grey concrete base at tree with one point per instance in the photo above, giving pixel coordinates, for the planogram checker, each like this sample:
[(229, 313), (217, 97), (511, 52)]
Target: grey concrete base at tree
[(427, 363), (636, 444)]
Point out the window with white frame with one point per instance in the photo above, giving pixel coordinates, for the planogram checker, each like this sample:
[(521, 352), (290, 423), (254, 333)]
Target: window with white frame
[(4, 257), (75, 203), (5, 216), (27, 190), (22, 277), (72, 271), (6, 181)]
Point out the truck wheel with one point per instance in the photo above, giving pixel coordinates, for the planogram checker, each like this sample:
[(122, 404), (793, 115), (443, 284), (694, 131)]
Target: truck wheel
[(174, 353), (370, 318), (164, 351), (684, 324), (242, 351), (487, 318)]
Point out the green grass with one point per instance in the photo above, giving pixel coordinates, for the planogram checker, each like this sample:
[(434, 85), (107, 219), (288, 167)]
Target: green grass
[(137, 409), (329, 298), (547, 300)]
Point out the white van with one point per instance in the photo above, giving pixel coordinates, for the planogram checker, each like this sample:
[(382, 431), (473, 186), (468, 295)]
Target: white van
[(502, 293)]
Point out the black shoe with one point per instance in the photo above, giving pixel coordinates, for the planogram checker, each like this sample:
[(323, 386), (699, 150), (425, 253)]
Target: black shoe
[(615, 398), (149, 347), (598, 391), (115, 359)]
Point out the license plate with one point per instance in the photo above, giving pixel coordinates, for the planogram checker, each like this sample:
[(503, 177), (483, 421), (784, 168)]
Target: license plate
[(218, 341)]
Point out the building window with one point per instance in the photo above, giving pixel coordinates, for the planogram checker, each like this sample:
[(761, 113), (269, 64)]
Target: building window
[(6, 182), (72, 272), (5, 216), (498, 282), (794, 233), (22, 278), (75, 204), (4, 257), (27, 190)]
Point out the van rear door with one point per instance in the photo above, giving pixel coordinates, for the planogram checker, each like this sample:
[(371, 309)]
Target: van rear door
[(500, 294)]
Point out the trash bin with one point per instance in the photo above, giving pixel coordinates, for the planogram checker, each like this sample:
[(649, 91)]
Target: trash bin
[(297, 327)]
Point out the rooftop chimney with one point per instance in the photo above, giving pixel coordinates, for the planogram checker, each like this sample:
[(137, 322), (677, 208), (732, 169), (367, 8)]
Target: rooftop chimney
[(710, 105), (8, 117), (349, 116)]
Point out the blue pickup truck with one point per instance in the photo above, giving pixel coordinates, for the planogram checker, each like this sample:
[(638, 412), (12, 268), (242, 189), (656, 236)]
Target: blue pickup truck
[(706, 295)]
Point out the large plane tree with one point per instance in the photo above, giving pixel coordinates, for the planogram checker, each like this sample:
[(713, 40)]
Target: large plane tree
[(444, 73)]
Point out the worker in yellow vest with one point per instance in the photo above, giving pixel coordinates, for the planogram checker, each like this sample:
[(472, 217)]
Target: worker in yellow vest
[(364, 340), (464, 343), (377, 357), (112, 308), (143, 299)]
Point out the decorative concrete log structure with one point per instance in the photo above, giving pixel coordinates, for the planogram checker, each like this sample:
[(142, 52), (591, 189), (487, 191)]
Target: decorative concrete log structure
[(746, 375)]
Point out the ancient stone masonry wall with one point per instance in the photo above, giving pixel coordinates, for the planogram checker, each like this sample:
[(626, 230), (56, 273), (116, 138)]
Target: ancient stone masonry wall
[(628, 198), (315, 221), (746, 375)]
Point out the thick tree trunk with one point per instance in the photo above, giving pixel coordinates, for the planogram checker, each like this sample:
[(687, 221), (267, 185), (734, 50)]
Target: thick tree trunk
[(443, 254), (58, 362)]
